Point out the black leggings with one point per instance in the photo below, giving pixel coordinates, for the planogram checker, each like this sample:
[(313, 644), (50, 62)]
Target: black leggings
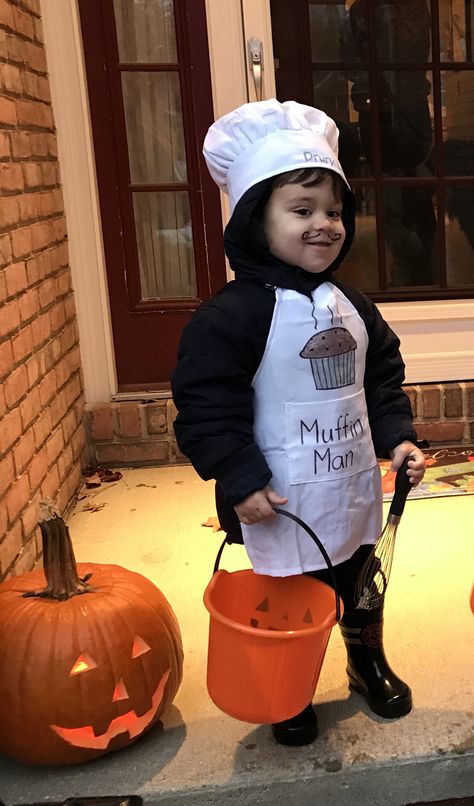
[(346, 575)]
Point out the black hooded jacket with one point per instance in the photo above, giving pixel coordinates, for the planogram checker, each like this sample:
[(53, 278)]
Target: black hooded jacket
[(222, 346)]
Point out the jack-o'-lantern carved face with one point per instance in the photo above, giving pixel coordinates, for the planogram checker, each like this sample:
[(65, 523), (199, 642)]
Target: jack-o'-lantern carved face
[(128, 724), (87, 675)]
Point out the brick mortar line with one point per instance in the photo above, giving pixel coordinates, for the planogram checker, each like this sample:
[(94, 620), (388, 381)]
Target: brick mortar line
[(12, 31), (37, 450), (12, 95), (29, 221), (40, 345), (24, 93), (30, 128), (35, 353), (29, 536), (70, 409), (24, 38), (35, 253), (76, 374), (36, 158), (34, 287), (24, 7), (61, 271)]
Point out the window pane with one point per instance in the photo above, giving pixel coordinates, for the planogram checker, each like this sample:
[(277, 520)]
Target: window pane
[(346, 98), (403, 31), (458, 129), (360, 267), (410, 235), (145, 30), (337, 33), (165, 245), (456, 18), (460, 235), (152, 103), (406, 122)]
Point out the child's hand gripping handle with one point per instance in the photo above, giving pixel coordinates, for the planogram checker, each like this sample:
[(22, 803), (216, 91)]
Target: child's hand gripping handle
[(402, 488)]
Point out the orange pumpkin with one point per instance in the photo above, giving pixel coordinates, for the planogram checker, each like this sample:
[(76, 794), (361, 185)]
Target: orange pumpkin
[(89, 663)]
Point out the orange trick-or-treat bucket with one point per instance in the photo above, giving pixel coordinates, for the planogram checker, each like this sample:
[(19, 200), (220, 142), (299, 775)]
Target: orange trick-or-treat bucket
[(267, 639)]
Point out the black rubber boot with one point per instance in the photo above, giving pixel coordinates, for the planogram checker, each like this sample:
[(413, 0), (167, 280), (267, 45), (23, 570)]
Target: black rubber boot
[(367, 666), (299, 730)]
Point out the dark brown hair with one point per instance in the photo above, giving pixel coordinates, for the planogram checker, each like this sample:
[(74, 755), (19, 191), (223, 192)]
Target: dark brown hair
[(311, 177)]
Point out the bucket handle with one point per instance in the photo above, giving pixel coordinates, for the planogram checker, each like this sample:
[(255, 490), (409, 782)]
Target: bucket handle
[(316, 540)]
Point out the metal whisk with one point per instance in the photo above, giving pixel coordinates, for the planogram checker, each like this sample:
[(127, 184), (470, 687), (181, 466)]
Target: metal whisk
[(373, 578)]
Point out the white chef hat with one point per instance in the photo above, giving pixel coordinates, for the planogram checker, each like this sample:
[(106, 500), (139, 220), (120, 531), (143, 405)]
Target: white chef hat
[(262, 139)]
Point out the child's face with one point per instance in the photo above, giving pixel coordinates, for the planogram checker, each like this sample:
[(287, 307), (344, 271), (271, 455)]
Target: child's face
[(303, 225)]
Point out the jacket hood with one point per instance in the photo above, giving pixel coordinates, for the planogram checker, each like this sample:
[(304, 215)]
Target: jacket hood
[(247, 250)]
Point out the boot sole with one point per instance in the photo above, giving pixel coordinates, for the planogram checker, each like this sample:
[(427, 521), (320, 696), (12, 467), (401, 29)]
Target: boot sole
[(392, 710), (298, 731), (297, 737)]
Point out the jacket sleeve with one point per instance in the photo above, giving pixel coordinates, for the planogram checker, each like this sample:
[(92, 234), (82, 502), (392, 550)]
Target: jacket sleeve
[(213, 394), (389, 408)]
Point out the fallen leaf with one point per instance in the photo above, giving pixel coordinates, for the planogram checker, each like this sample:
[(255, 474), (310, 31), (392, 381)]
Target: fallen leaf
[(93, 482), (96, 475), (93, 507), (214, 523), (105, 474)]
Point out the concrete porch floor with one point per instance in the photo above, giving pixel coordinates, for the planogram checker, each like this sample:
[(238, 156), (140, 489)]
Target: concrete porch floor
[(151, 523)]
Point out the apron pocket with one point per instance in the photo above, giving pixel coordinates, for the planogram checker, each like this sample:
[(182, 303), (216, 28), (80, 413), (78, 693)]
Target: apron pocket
[(328, 441)]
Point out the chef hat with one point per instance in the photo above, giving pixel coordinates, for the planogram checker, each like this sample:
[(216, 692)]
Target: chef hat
[(266, 138)]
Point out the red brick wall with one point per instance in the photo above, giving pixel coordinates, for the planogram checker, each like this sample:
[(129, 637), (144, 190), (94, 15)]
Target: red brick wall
[(444, 412), (132, 433), (142, 432), (41, 401)]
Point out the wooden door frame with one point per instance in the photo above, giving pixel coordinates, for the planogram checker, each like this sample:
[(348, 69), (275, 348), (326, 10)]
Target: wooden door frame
[(139, 325), (63, 43)]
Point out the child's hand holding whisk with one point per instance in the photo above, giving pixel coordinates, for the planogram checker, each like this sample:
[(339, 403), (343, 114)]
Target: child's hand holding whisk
[(416, 461)]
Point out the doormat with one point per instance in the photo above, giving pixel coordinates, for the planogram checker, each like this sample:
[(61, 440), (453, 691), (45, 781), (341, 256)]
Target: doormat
[(449, 471)]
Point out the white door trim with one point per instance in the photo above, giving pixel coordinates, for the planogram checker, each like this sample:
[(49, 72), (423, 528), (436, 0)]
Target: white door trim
[(437, 338), (64, 54)]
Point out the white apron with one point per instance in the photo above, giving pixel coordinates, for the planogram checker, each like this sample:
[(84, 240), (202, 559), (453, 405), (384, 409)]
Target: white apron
[(311, 424)]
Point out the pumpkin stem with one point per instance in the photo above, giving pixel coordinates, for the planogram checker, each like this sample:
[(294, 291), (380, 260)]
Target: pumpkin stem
[(58, 558)]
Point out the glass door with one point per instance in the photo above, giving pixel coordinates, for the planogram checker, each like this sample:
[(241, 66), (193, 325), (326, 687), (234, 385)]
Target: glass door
[(151, 104), (397, 77)]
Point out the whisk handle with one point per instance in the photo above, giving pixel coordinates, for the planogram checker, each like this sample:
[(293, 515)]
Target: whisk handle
[(402, 488)]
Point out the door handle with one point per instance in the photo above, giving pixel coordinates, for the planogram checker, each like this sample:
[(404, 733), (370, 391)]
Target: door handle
[(255, 57)]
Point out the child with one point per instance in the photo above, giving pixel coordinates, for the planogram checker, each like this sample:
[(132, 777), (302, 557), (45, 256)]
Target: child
[(288, 383)]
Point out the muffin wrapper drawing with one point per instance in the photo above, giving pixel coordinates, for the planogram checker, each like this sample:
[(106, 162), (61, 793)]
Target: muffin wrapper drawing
[(332, 357)]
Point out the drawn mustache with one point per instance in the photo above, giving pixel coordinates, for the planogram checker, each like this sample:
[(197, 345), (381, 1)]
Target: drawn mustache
[(336, 236)]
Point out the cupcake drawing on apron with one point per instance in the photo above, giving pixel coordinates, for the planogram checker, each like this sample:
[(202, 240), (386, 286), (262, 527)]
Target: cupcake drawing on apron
[(332, 356)]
